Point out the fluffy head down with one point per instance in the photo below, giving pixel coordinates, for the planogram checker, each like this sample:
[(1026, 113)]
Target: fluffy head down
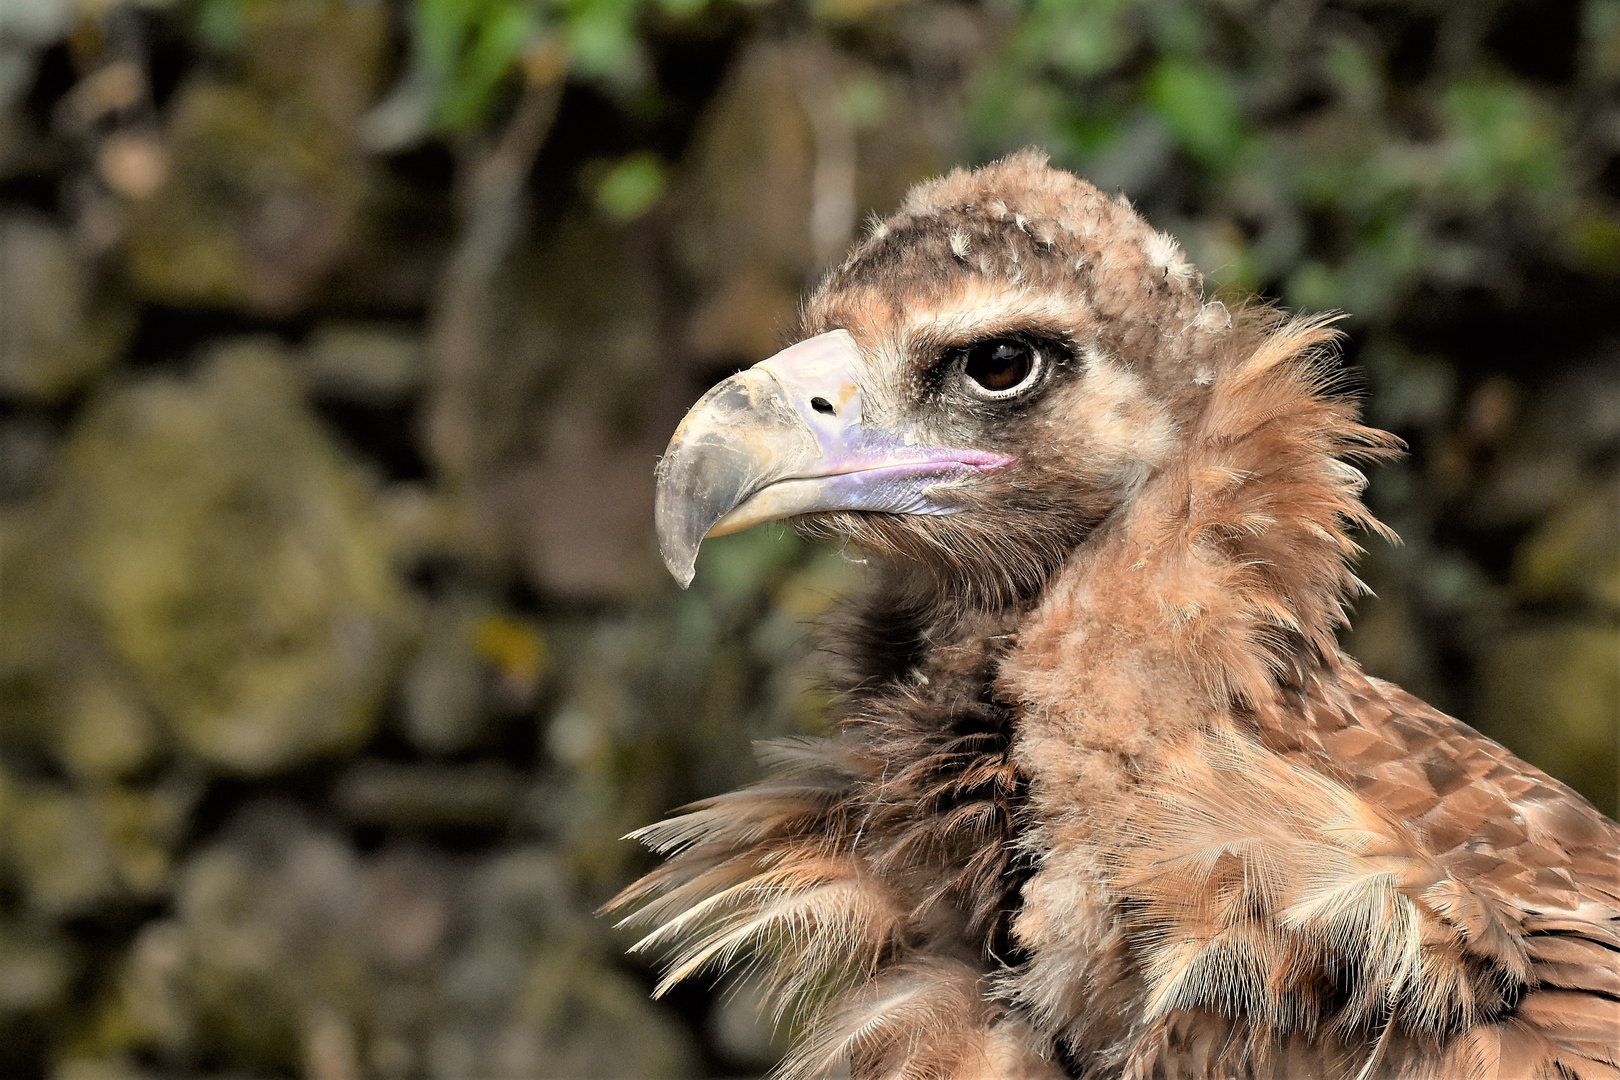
[(1018, 251)]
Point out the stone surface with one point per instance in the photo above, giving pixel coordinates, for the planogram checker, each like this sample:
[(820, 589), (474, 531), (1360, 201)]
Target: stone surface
[(1574, 555), (798, 143), (560, 417), (374, 364), (1552, 694), (57, 325), (258, 206), (234, 561), (446, 686), (292, 952), (37, 967)]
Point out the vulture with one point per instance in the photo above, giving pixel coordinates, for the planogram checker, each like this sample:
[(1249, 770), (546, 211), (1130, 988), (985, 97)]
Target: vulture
[(1103, 796)]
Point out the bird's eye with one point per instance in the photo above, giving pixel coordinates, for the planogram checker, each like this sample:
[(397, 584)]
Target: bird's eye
[(1000, 367)]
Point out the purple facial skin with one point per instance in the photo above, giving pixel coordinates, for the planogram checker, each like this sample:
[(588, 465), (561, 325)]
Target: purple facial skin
[(785, 438)]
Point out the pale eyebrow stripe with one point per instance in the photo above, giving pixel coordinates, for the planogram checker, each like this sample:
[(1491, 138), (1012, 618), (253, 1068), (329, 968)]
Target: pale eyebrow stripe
[(980, 307)]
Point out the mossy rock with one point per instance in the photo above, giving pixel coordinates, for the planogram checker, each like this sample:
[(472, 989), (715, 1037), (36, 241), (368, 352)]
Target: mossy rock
[(1552, 695), (234, 561), (70, 850), (58, 325), (53, 848), (265, 937), (265, 180), (526, 992), (259, 205), (37, 967), (61, 695), (286, 944), (1575, 554)]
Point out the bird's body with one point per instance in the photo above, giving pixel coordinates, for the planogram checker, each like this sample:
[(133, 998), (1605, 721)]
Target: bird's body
[(1106, 798)]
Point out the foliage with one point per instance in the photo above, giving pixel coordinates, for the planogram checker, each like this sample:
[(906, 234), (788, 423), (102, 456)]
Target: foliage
[(467, 49), (1342, 154)]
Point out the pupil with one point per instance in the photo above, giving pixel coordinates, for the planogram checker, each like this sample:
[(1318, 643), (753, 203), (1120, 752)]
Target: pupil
[(999, 365)]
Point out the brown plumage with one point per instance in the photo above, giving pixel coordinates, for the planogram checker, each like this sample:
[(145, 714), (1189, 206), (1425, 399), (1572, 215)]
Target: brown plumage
[(1106, 798)]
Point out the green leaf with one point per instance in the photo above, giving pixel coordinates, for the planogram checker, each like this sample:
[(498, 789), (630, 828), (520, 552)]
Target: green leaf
[(601, 38), (682, 9), (1197, 104), (221, 24), (442, 26), (863, 102), (471, 47), (1313, 287), (1503, 137), (1082, 39), (631, 187)]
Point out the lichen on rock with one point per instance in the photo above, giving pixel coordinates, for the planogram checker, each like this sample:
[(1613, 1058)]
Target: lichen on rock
[(58, 325), (234, 561)]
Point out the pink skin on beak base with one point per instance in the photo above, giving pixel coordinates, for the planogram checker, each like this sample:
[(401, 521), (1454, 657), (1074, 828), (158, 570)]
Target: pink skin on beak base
[(786, 438)]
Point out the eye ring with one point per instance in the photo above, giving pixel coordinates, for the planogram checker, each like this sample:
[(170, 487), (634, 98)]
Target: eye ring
[(1000, 368)]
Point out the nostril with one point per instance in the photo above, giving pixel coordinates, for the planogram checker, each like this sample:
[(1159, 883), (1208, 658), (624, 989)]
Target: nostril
[(822, 405)]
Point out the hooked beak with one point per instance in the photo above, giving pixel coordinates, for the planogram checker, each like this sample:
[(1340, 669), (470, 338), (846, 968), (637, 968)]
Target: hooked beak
[(786, 438)]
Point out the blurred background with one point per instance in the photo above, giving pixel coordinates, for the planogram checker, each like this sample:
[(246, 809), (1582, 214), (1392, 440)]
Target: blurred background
[(338, 339)]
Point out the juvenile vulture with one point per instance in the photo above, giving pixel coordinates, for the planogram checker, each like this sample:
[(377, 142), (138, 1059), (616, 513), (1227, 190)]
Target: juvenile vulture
[(1105, 798)]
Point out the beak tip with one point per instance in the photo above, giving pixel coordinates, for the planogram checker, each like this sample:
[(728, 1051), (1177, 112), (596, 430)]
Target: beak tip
[(677, 545), (682, 566)]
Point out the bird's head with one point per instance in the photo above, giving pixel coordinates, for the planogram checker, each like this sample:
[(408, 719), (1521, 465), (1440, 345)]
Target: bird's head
[(992, 372)]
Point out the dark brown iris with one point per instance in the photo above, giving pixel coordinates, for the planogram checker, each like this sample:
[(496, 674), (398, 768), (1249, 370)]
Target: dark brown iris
[(1000, 365)]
